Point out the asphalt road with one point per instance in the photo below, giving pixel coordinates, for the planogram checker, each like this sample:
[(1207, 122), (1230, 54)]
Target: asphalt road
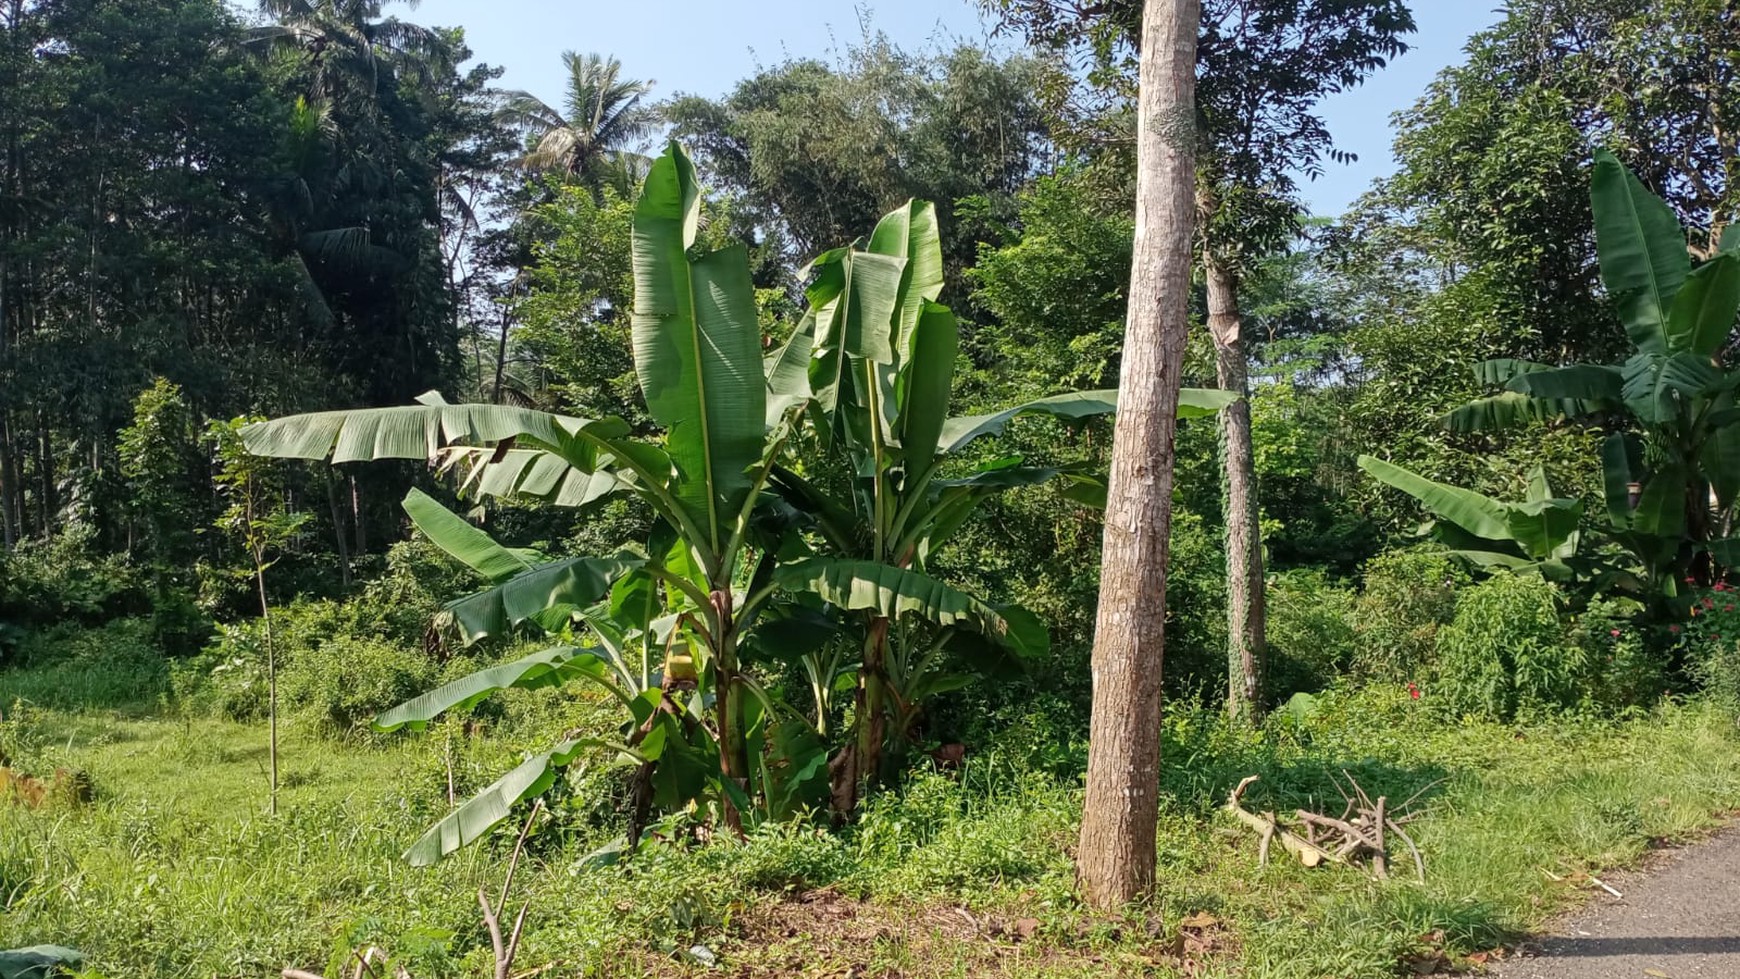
[(1679, 919)]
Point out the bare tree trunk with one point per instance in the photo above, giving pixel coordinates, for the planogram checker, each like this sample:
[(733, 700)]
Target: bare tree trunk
[(360, 543), (338, 527), (1115, 862), (47, 505), (9, 524), (271, 681), (500, 358), (1245, 638), (10, 527)]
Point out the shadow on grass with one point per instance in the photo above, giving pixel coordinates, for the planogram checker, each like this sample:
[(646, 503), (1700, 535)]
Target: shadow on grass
[(1199, 771)]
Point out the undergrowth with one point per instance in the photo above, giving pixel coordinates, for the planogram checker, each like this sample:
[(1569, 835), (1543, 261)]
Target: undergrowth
[(175, 870)]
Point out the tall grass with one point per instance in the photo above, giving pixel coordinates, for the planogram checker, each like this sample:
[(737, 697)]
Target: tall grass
[(176, 871)]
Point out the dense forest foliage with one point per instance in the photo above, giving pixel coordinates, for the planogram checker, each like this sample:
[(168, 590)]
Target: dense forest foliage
[(327, 206), (1402, 464)]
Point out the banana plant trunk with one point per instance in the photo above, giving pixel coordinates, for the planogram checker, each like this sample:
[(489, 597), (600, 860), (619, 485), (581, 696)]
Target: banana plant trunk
[(860, 763), (728, 707), (1701, 567), (1115, 861), (1246, 639)]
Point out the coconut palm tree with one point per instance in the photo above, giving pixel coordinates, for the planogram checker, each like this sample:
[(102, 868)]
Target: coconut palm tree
[(590, 139), (349, 46)]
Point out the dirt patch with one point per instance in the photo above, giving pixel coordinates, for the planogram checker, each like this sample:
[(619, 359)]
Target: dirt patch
[(823, 934)]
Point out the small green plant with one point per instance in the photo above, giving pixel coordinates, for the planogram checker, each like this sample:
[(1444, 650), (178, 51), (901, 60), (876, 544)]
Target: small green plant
[(161, 459), (1311, 632), (1506, 651), (1406, 597), (260, 518), (1711, 640), (339, 685)]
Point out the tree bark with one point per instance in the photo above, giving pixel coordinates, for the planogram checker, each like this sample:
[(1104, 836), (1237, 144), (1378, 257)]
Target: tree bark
[(1245, 634), (338, 527), (9, 523), (10, 526), (1115, 862)]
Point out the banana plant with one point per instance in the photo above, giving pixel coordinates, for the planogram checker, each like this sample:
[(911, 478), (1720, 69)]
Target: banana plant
[(1538, 534), (697, 352), (873, 359), (1672, 461)]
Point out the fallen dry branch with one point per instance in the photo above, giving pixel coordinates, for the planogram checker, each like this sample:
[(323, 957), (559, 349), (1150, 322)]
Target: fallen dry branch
[(1308, 852), (1362, 833)]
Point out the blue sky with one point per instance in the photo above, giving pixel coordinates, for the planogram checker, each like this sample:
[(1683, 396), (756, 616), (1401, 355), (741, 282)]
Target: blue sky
[(705, 46)]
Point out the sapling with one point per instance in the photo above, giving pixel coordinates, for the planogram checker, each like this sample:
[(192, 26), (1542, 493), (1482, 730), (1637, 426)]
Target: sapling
[(260, 517)]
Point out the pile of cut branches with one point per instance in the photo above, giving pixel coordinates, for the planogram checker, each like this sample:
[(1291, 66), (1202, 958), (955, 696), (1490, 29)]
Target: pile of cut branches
[(1362, 833)]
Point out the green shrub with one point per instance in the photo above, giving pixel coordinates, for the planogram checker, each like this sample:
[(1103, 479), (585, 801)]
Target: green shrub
[(1716, 668), (65, 580), (1627, 664), (1506, 651), (1406, 597), (178, 625), (228, 677), (1195, 609), (1310, 631), (337, 686), (418, 579), (113, 666)]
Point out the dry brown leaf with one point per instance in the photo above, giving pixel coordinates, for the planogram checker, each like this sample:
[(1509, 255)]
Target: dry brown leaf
[(1200, 919)]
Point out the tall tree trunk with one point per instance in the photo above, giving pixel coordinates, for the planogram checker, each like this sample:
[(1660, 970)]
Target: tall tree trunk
[(1245, 638), (500, 358), (338, 527), (1115, 863), (46, 505), (10, 526), (359, 544)]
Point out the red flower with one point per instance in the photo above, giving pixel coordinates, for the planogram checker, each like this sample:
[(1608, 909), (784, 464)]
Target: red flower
[(1675, 629), (1709, 602), (1721, 586), (1413, 691), (1727, 608), (1614, 633)]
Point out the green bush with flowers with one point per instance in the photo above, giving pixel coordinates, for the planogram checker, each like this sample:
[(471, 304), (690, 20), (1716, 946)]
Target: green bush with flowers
[(1710, 642)]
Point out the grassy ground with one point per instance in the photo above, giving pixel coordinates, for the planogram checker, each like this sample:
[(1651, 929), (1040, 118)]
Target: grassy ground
[(176, 870)]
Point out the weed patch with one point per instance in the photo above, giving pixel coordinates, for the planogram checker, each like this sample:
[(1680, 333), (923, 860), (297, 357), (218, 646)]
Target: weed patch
[(176, 870)]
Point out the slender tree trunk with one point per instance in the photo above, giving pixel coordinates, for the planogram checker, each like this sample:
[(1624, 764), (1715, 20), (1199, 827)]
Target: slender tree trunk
[(360, 543), (338, 527), (9, 528), (500, 358), (257, 551), (1245, 639), (271, 682), (1115, 862), (47, 504)]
